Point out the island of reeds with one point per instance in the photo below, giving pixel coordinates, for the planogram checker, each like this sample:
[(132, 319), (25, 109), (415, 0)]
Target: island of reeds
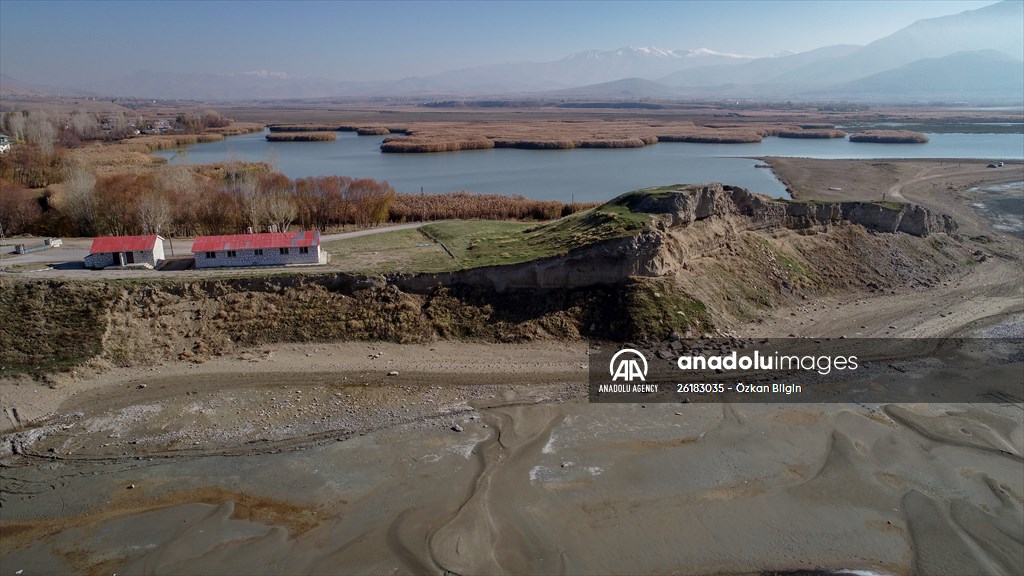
[(301, 137), (889, 137)]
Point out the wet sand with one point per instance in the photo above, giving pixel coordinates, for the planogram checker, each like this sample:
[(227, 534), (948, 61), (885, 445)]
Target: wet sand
[(556, 488)]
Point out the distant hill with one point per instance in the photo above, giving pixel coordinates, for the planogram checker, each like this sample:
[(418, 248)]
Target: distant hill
[(954, 57), (626, 89), (580, 69), (13, 88), (994, 27), (974, 75)]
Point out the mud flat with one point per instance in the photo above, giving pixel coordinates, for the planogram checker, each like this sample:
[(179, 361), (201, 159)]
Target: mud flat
[(554, 488), (944, 185)]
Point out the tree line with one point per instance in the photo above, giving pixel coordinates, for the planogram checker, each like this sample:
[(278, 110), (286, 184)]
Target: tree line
[(236, 197), (176, 201)]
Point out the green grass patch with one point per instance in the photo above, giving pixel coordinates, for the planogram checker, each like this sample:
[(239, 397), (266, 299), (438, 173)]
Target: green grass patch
[(475, 243), (890, 204), (398, 251)]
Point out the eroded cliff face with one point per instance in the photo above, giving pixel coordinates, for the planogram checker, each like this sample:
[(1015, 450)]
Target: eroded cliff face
[(688, 205), (714, 254), (609, 262), (689, 223)]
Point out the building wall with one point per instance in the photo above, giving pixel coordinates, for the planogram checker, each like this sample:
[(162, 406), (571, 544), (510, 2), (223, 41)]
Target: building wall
[(158, 251), (104, 259), (270, 257), (99, 260)]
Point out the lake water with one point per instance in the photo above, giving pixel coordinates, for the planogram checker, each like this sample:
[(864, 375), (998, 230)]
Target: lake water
[(579, 174)]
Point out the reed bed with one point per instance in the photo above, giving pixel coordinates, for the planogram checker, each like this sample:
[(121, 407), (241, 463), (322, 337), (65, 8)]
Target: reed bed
[(534, 144), (372, 131), (238, 129), (411, 145), (463, 205), (823, 133), (889, 137), (302, 137), (713, 137), (446, 136), (619, 143), (310, 128)]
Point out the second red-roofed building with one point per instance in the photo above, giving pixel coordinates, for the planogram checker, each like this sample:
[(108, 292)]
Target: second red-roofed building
[(270, 249)]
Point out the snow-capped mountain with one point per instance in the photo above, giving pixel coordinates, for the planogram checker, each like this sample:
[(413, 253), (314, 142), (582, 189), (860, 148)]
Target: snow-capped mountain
[(654, 72)]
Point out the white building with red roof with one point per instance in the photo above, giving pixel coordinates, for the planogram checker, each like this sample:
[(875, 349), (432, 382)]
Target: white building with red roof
[(125, 250), (270, 249)]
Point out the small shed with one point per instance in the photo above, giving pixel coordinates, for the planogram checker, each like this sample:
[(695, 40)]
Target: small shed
[(270, 249), (124, 251)]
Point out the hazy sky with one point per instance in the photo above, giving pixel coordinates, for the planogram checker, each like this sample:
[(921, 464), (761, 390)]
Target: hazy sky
[(67, 43)]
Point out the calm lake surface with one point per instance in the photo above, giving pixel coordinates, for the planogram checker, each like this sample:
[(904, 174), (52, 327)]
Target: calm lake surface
[(580, 174)]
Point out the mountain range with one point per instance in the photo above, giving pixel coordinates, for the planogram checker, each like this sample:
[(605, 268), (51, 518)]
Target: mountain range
[(977, 55)]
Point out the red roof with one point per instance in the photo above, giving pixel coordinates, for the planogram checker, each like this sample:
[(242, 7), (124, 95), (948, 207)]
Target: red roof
[(250, 241), (104, 244)]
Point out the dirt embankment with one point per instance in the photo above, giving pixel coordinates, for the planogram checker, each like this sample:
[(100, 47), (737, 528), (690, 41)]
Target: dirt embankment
[(714, 256)]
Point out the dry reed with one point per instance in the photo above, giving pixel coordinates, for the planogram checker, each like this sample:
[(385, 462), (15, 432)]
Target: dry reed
[(889, 137)]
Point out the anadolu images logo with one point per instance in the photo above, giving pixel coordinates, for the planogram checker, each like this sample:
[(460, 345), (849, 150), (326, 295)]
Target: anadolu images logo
[(628, 364)]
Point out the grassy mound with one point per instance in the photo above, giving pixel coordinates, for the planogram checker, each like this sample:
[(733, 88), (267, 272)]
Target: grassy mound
[(462, 244)]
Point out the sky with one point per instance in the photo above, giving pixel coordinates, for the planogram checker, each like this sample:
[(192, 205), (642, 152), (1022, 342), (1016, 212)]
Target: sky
[(57, 43)]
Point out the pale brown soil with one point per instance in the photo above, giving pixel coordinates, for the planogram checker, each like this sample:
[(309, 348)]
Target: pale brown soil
[(937, 184)]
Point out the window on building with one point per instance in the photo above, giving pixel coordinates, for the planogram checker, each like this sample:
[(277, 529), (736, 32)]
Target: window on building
[(232, 254), (304, 250), (284, 251), (211, 254), (258, 251)]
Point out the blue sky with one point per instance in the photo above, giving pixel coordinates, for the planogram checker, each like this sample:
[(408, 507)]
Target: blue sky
[(64, 43)]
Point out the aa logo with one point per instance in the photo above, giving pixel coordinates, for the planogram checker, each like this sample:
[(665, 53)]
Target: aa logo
[(629, 365)]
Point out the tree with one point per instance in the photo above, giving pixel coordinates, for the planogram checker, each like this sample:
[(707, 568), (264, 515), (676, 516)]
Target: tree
[(182, 188), (78, 201), (120, 196), (19, 208), (371, 201), (15, 125), (276, 198), (249, 198), (41, 131), (154, 212)]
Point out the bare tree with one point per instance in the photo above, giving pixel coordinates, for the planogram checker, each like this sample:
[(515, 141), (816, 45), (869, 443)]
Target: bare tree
[(280, 210), (15, 122), (40, 130), (79, 199), (154, 211), (83, 123), (252, 202)]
